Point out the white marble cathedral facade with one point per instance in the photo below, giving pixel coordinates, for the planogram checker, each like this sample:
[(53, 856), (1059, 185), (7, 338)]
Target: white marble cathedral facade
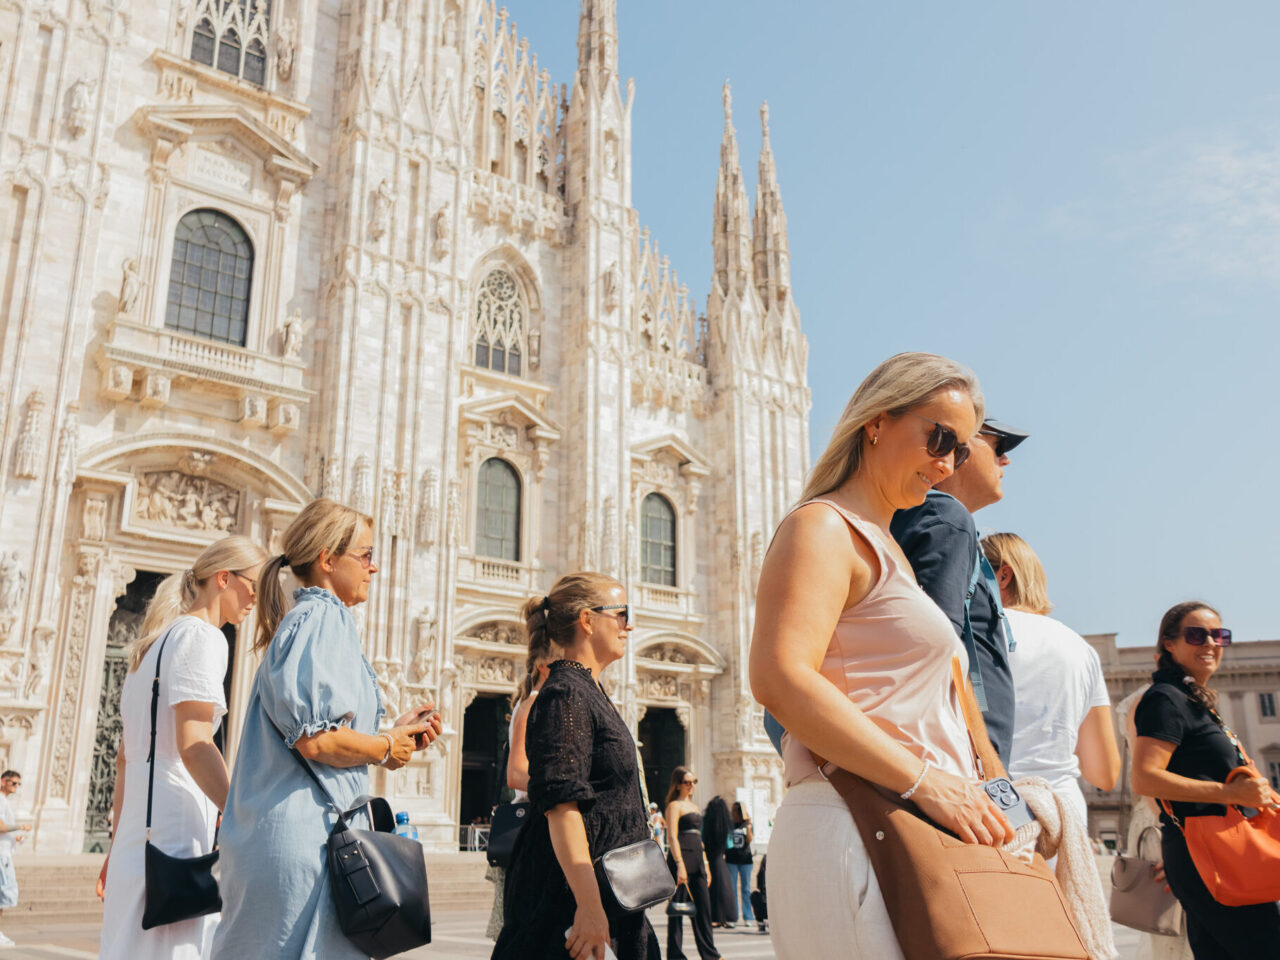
[(257, 251)]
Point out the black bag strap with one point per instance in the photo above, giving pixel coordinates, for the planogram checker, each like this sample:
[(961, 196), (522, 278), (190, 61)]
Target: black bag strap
[(500, 775), (380, 816), (151, 754), (302, 761)]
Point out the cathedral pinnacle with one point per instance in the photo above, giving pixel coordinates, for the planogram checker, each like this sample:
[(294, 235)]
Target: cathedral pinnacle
[(731, 231), (770, 253), (598, 37)]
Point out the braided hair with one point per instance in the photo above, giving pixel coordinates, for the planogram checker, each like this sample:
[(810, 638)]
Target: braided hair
[(550, 621)]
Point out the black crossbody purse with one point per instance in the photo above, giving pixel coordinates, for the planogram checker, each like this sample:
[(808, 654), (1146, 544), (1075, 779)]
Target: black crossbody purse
[(508, 820), (378, 879), (176, 888)]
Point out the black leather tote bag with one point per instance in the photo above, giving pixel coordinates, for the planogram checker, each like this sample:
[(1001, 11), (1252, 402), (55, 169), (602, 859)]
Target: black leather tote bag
[(378, 879), (175, 888), (634, 877)]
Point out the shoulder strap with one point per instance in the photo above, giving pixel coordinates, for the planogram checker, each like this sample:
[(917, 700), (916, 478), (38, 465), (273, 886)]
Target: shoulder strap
[(307, 767), (975, 665), (151, 754), (993, 585), (500, 780)]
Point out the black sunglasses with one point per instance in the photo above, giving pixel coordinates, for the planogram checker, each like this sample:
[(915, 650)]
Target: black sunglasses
[(999, 442), (1199, 636), (613, 608), (943, 440)]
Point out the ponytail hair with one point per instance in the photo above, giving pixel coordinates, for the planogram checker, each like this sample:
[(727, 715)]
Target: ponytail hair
[(177, 593), (322, 525), (1170, 625), (550, 621)]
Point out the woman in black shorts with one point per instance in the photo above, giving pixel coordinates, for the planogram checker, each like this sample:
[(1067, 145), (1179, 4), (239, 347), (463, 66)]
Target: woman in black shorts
[(1182, 755)]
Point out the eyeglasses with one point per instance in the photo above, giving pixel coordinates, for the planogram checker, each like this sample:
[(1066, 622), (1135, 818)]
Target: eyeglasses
[(999, 442), (364, 557), (253, 584), (690, 783), (620, 610), (943, 440), (1199, 636)]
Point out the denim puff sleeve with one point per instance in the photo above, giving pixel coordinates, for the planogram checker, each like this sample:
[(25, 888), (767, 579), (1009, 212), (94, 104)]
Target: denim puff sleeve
[(310, 676), (559, 744)]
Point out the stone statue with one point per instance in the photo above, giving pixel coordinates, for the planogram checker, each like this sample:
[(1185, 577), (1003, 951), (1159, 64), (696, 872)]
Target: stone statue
[(291, 336), (443, 227), (449, 36), (13, 587), (95, 519), (380, 219), (26, 461), (610, 284), (130, 287), (76, 114), (286, 43)]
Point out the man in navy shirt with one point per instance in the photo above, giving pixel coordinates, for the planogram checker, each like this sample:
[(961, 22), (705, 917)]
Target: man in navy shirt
[(940, 540)]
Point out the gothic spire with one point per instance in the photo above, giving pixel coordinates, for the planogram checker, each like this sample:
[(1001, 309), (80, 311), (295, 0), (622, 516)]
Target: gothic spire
[(598, 37), (731, 233), (772, 257)]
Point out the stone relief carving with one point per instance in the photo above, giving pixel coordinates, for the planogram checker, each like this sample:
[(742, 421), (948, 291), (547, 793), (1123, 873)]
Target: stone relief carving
[(535, 348), (453, 514), (119, 382), (390, 675), (429, 507), (286, 44), (610, 284), (496, 669), (78, 109), (68, 444), (26, 460), (93, 524), (177, 499), (291, 336), (155, 390), (442, 226), (609, 546), (667, 653), (380, 218), (253, 410), (72, 671), (449, 35), (196, 462), (13, 588), (331, 485), (663, 686), (427, 639), (130, 287), (362, 485), (684, 716), (497, 632), (611, 156)]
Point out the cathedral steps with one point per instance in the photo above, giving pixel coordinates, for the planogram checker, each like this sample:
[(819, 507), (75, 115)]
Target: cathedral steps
[(61, 888)]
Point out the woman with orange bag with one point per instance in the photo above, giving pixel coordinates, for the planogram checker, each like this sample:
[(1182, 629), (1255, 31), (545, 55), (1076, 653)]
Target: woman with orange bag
[(1183, 755)]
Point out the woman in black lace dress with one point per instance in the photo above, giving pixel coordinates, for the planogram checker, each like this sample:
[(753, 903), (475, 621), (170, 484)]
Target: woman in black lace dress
[(583, 777)]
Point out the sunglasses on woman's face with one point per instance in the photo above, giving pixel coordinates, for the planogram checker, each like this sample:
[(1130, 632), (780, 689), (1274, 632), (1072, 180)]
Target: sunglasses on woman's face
[(943, 440), (1199, 636)]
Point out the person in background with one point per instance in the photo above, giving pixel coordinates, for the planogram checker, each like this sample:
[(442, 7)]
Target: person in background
[(760, 897), (11, 834), (584, 784), (658, 826), (940, 541), (183, 627), (1064, 727), (739, 859), (537, 669), (716, 824), (688, 861), (1182, 756), (316, 694), (855, 660)]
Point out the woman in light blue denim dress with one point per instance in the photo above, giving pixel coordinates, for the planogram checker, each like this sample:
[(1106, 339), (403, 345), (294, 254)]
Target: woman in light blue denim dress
[(314, 691)]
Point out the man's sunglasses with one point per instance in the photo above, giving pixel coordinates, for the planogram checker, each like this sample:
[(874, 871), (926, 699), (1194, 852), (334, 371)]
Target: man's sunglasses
[(999, 442), (943, 440), (621, 610), (1199, 636)]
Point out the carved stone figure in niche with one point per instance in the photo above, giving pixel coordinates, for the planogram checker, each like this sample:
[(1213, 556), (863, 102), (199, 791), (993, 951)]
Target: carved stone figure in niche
[(68, 444), (453, 514), (425, 653), (130, 287), (77, 112), (13, 587), (610, 284), (506, 633), (26, 462), (496, 669), (668, 653), (94, 526), (286, 44), (121, 380), (178, 499), (331, 486), (429, 507), (449, 35), (291, 336), (380, 218), (611, 156), (442, 226), (362, 481), (535, 348)]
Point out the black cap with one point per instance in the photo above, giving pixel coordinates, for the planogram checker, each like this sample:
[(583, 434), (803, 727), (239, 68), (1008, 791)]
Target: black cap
[(1011, 436)]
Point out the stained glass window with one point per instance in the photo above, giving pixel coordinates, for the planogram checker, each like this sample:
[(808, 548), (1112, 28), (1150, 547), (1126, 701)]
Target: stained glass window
[(499, 333)]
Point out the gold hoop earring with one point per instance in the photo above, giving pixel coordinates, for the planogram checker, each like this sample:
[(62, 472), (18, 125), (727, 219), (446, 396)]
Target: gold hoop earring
[(873, 440)]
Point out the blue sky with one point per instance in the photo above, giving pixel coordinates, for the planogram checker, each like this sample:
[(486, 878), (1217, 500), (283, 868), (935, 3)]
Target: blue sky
[(1081, 201)]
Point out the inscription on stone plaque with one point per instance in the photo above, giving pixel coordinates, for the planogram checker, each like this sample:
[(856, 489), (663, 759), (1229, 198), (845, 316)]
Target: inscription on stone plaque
[(222, 170)]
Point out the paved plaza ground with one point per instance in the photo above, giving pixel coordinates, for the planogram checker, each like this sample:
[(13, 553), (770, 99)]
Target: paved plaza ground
[(459, 935)]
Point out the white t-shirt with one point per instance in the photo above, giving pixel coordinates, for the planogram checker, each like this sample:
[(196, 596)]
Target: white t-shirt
[(8, 841), (1057, 680)]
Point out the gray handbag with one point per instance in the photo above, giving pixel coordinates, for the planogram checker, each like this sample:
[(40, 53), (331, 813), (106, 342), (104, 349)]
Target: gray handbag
[(1139, 900)]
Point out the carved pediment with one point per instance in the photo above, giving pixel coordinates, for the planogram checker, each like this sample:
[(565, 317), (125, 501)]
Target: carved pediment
[(681, 654), (180, 124), (514, 411), (674, 450), (511, 426), (496, 631)]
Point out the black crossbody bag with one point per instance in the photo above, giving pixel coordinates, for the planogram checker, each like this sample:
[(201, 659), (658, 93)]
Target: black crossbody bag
[(378, 879), (508, 820), (176, 888)]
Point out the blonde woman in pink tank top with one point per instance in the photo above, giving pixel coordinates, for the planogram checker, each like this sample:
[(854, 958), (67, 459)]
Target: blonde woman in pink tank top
[(854, 659)]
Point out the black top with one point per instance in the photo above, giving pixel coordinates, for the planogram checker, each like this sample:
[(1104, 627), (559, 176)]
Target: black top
[(579, 751), (940, 541), (739, 850), (1202, 752), (691, 823)]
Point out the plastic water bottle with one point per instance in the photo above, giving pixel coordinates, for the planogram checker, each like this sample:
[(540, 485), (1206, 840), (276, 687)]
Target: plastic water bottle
[(404, 828)]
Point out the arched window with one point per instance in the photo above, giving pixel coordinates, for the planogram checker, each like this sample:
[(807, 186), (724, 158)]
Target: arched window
[(233, 36), (209, 277), (499, 333), (498, 511), (658, 541)]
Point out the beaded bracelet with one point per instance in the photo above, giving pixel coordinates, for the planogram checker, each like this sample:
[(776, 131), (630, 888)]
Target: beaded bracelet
[(919, 780)]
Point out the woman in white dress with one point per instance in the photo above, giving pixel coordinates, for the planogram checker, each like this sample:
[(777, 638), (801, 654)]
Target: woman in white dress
[(185, 617)]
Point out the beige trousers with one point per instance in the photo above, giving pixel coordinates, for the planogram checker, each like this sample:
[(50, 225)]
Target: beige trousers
[(824, 900)]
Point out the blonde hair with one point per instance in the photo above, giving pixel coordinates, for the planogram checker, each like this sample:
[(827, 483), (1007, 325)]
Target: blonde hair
[(903, 381), (1028, 587), (319, 526), (536, 659), (550, 621), (177, 593)]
